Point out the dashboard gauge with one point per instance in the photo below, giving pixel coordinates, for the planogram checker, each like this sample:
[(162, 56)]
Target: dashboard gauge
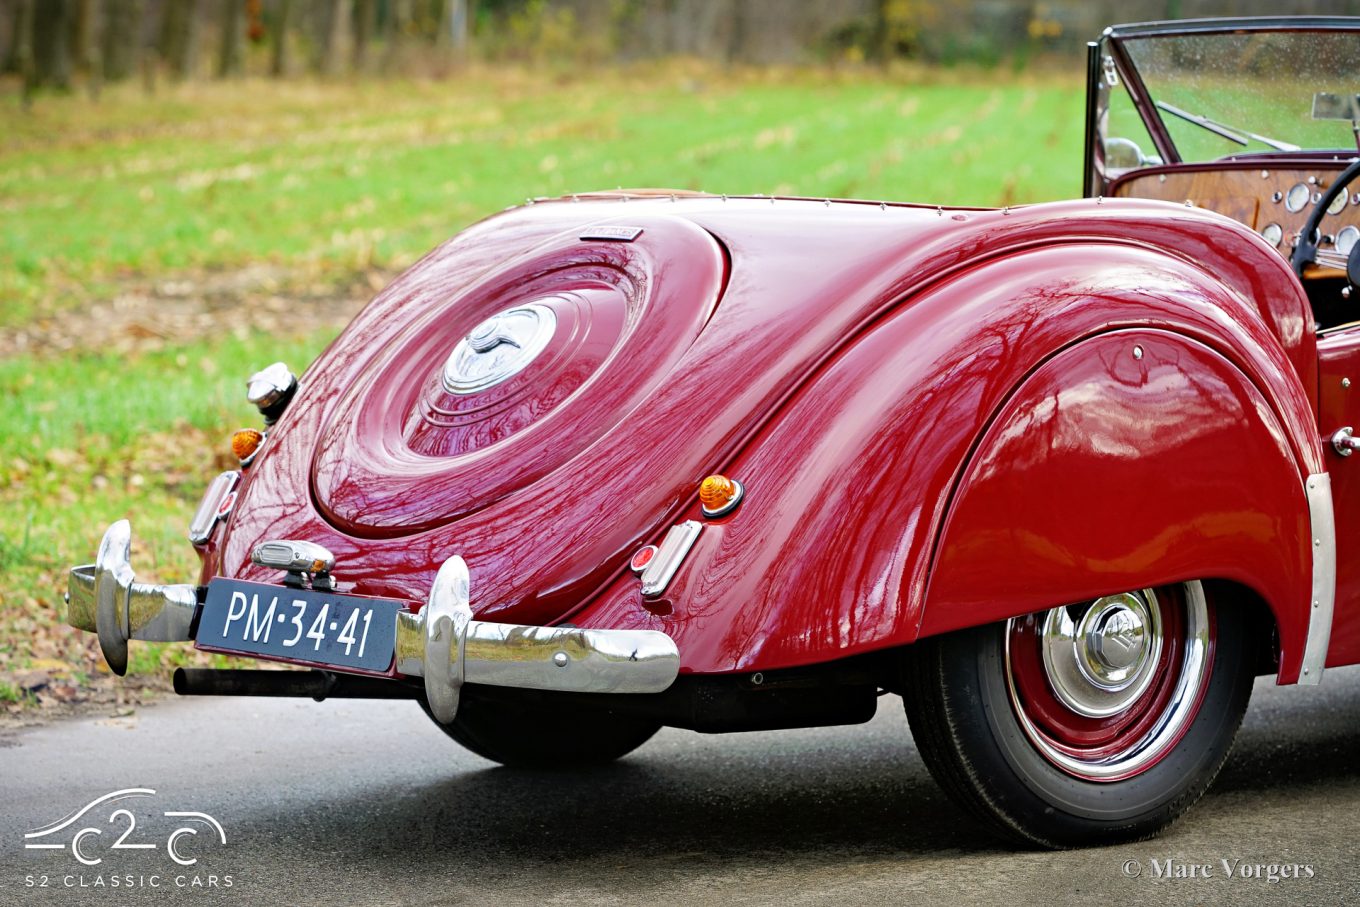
[(1273, 233), (1338, 204), (1296, 197), (1345, 240)]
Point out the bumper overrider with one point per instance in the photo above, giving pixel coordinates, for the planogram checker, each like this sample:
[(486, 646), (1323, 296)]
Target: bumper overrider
[(441, 643)]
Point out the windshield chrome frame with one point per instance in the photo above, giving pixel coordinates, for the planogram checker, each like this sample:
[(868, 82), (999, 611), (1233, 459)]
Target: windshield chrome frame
[(1111, 44)]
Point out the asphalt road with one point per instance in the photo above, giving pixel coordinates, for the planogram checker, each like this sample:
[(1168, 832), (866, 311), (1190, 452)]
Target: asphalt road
[(367, 803)]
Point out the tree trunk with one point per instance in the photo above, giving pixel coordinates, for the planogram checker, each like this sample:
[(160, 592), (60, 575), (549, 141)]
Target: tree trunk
[(233, 26), (278, 61), (23, 50), (337, 27), (364, 18), (179, 37), (9, 62), (122, 38), (88, 56), (398, 34), (452, 38), (51, 47)]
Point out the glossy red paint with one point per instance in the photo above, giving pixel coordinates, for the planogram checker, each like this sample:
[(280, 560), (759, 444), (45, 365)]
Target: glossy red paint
[(1138, 458), (397, 454), (1339, 367), (855, 357)]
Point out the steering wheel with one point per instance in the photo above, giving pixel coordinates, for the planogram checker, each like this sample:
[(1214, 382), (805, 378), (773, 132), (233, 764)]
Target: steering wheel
[(1306, 251)]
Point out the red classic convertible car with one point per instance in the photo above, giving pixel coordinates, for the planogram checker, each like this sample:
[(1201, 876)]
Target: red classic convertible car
[(1061, 476)]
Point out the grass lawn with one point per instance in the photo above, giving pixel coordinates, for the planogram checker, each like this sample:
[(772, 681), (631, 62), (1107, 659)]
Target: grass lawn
[(325, 187)]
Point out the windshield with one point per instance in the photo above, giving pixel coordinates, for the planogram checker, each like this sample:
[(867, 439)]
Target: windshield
[(1243, 92)]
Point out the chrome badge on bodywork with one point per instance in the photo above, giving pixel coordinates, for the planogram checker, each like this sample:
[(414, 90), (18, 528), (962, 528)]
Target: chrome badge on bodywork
[(499, 348)]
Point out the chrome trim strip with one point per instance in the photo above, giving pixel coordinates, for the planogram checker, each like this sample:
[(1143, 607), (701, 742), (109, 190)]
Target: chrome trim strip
[(1323, 534), (209, 509), (104, 597), (669, 556)]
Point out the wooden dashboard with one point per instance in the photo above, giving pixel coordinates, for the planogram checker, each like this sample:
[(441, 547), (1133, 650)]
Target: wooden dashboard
[(1273, 201)]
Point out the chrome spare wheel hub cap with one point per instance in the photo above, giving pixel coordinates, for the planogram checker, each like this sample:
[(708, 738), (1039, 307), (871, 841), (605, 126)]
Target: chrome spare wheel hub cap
[(1101, 660), (499, 348)]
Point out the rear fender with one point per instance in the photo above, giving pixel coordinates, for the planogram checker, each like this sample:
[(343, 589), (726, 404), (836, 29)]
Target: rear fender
[(849, 483), (1133, 459)]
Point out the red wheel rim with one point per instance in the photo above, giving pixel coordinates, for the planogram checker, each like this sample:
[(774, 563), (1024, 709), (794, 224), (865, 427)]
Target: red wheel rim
[(1104, 690)]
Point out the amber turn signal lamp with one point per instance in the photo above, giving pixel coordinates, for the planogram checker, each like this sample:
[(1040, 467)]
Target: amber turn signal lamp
[(245, 442), (719, 495)]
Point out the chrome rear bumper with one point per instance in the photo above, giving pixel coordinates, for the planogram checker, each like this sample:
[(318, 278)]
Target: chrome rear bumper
[(441, 643)]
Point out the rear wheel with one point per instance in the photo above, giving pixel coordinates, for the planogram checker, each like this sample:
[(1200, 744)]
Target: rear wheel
[(531, 735), (1088, 723)]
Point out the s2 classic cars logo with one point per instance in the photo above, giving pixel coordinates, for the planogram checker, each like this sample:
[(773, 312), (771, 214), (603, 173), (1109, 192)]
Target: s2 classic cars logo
[(89, 844)]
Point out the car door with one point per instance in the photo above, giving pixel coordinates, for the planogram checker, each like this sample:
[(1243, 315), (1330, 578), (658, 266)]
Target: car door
[(1338, 408)]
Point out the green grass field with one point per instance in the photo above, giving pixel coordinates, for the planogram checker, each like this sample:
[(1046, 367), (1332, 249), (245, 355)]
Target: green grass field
[(323, 188)]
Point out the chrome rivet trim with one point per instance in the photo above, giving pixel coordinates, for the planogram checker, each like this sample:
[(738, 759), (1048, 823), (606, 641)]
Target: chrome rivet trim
[(1137, 352), (560, 659), (1345, 382), (1265, 174)]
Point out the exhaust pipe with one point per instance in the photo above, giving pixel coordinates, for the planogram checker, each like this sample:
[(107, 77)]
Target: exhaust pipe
[(318, 685)]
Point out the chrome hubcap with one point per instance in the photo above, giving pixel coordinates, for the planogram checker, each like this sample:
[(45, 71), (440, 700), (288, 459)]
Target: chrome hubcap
[(1102, 661), (499, 348)]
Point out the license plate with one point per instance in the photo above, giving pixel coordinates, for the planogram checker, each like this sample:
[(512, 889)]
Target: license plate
[(346, 631)]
